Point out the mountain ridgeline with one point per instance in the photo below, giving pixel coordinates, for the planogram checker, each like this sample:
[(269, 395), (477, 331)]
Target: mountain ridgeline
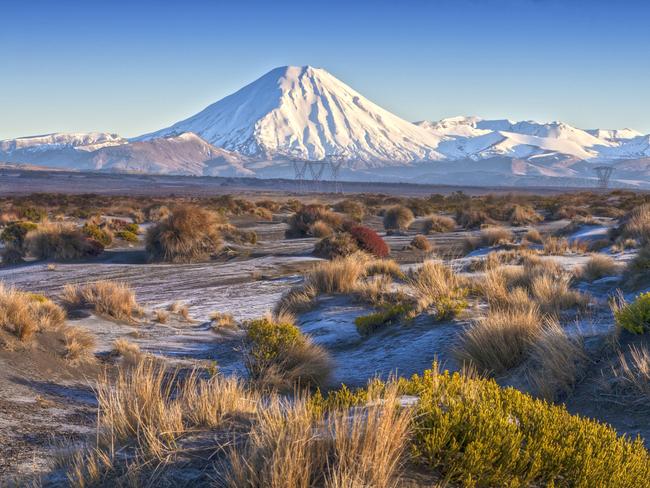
[(307, 113)]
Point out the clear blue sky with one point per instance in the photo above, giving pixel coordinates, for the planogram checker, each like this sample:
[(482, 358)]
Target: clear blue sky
[(132, 67)]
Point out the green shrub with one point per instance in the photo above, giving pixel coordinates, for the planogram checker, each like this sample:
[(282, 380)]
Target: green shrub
[(127, 236), (367, 324), (95, 232), (267, 339), (34, 214), (635, 316), (476, 433), (132, 227), (14, 233)]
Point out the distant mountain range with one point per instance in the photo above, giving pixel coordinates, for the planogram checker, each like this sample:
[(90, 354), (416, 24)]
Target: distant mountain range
[(307, 113)]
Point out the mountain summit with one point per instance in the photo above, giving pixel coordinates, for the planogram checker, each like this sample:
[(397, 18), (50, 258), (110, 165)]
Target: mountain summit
[(306, 112)]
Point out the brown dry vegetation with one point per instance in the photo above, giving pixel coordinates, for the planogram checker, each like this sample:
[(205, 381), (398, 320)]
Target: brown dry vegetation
[(109, 298), (60, 241), (189, 234)]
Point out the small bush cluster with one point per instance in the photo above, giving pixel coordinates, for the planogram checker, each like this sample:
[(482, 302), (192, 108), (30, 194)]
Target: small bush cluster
[(398, 218), (301, 222), (60, 241), (103, 236), (421, 243), (338, 245), (24, 314), (521, 215), (369, 241), (354, 209), (367, 324), (633, 317), (188, 234), (279, 355), (109, 298), (439, 287), (438, 223)]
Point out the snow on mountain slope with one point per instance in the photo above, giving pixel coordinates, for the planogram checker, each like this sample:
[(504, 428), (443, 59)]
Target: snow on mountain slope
[(476, 138), (58, 140), (306, 112), (615, 136), (185, 154)]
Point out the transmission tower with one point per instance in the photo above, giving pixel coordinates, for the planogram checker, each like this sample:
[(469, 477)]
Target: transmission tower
[(299, 169), (314, 171), (604, 173), (336, 161)]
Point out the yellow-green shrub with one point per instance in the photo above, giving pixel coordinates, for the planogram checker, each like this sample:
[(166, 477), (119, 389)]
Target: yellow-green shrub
[(635, 316)]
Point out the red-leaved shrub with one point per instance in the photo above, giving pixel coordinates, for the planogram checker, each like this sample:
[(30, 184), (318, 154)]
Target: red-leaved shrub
[(369, 240)]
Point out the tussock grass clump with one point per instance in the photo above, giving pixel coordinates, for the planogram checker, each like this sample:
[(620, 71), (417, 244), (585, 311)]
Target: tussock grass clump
[(360, 448), (472, 218), (558, 246), (302, 221), (354, 209), (598, 266), (78, 344), (336, 246), (369, 241), (339, 275), (320, 229), (279, 355), (398, 218), (386, 267), (500, 340), (521, 215), (60, 241), (421, 243), (633, 317), (554, 294), (438, 286), (110, 298), (189, 234), (637, 224), (489, 236), (221, 320), (533, 235), (471, 431), (297, 300), (438, 223), (24, 314), (637, 272), (128, 351), (556, 362), (629, 383)]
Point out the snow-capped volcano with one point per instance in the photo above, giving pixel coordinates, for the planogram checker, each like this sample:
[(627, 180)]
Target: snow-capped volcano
[(306, 112)]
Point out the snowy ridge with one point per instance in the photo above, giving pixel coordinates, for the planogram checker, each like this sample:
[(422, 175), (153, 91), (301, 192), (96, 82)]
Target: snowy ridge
[(306, 112)]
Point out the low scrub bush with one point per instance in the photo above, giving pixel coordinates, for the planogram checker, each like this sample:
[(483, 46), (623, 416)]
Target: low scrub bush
[(279, 355), (438, 223), (534, 236), (367, 324), (489, 236), (472, 218), (109, 298), (421, 243), (33, 214), (320, 229), (521, 215), (398, 218), (475, 433), (635, 316), (127, 235), (369, 241), (61, 242), (103, 236), (335, 246), (189, 234), (301, 222), (354, 209), (14, 233)]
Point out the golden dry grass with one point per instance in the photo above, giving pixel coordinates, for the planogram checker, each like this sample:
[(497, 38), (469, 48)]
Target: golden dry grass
[(438, 286), (556, 362), (60, 241), (598, 266), (189, 234), (339, 275), (109, 298), (297, 300), (629, 381), (438, 223), (128, 351), (24, 314), (500, 340), (559, 246), (78, 343), (161, 316), (398, 218), (292, 447), (221, 320), (637, 224)]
